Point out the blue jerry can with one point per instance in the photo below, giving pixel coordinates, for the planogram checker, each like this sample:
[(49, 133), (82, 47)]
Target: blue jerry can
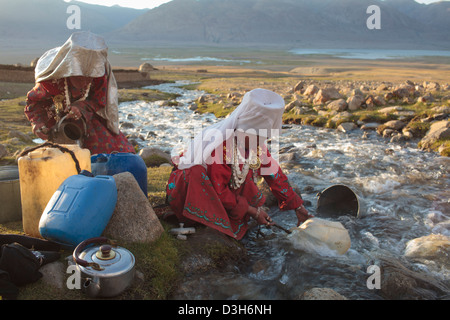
[(80, 209), (111, 164)]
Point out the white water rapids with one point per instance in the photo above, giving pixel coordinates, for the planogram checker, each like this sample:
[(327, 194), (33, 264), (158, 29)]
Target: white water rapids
[(403, 192)]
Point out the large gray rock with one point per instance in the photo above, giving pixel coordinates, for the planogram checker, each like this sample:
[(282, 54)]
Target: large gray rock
[(438, 130), (133, 219), (355, 102)]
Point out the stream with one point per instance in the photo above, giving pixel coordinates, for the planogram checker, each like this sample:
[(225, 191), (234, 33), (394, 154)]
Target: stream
[(400, 188)]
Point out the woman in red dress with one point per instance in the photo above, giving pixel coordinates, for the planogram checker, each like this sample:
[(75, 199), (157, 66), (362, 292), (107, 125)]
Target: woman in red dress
[(75, 83), (213, 181)]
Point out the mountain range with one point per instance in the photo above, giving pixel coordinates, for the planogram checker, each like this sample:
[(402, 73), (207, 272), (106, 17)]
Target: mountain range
[(319, 23)]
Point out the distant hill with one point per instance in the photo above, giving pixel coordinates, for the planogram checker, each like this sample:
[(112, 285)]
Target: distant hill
[(45, 20), (310, 23), (330, 23)]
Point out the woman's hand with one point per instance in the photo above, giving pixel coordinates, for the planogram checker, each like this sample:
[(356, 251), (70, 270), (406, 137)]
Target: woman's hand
[(260, 215), (74, 113), (302, 215), (40, 130)]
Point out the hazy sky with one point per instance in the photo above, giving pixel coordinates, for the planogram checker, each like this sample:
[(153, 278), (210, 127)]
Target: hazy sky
[(141, 4)]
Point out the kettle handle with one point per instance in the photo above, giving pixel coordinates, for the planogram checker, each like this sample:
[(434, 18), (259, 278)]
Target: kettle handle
[(83, 245)]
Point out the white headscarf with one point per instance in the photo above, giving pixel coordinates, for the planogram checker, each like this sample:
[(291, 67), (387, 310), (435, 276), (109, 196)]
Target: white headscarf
[(261, 111), (83, 54)]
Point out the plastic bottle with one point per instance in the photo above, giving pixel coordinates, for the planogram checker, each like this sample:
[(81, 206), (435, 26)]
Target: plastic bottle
[(111, 164), (41, 172), (80, 209)]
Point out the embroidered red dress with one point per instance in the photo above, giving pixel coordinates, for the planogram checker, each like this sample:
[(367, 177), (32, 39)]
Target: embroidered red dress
[(99, 139), (204, 194)]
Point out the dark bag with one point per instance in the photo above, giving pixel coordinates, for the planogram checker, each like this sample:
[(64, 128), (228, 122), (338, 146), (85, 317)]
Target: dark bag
[(20, 263), (8, 290)]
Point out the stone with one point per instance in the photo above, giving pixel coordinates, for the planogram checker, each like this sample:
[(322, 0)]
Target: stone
[(20, 135), (325, 95), (146, 67), (291, 105), (311, 90), (435, 247), (347, 127), (338, 105), (370, 126), (148, 152), (431, 86), (126, 125), (398, 282), (355, 102), (438, 130), (322, 294), (395, 125), (390, 109), (133, 219), (299, 86)]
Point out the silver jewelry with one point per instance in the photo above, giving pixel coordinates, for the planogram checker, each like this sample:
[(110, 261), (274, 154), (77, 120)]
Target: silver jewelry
[(237, 176)]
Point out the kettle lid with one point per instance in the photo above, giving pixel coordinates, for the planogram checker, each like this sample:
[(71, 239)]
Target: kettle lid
[(104, 259)]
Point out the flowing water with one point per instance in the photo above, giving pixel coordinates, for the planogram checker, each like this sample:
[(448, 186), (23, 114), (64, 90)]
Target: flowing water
[(403, 193)]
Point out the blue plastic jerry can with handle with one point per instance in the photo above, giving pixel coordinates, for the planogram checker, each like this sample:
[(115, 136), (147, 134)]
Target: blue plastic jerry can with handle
[(80, 209), (114, 163)]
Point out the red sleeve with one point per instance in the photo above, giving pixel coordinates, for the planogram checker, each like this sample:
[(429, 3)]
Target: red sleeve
[(220, 176), (39, 101), (279, 184)]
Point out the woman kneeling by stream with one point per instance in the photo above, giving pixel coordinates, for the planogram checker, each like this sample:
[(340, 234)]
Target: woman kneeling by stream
[(214, 179)]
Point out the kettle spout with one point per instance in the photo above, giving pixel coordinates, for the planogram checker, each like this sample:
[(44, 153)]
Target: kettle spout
[(92, 287)]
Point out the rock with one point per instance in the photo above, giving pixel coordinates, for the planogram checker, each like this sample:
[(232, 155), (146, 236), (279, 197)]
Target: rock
[(356, 92), (201, 99), (133, 219), (431, 86), (435, 247), (403, 91), (325, 95), (370, 126), (126, 125), (311, 90), (394, 125), (291, 105), (379, 101), (3, 151), (390, 109), (441, 109), (398, 282), (382, 87), (337, 105), (426, 98), (33, 62), (347, 127), (299, 86), (146, 67), (321, 294), (355, 102), (148, 152), (20, 135), (438, 130)]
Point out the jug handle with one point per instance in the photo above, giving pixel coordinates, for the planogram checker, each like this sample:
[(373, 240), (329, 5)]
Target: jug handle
[(83, 245)]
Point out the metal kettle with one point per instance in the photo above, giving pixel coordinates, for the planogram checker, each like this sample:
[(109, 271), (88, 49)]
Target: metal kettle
[(106, 269)]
